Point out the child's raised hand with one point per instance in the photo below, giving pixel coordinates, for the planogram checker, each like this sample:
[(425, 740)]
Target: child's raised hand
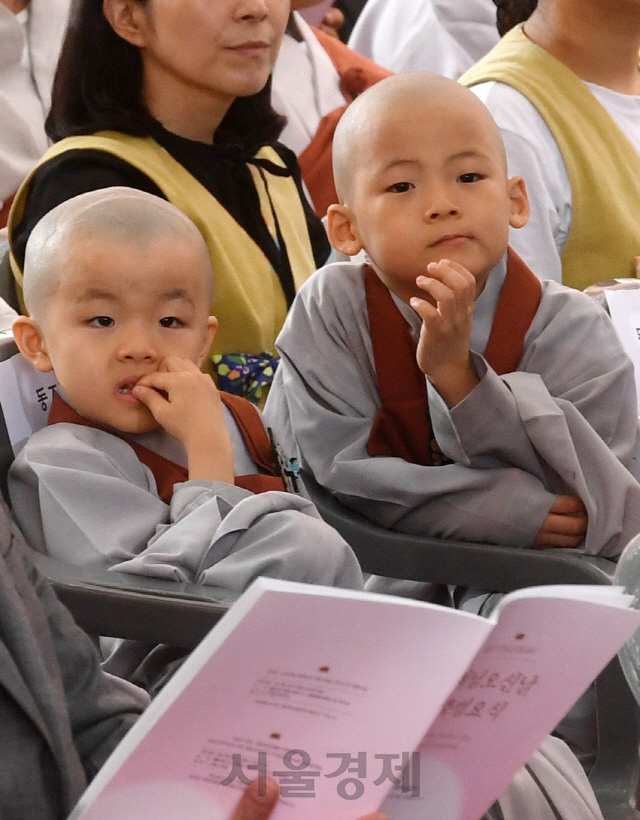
[(565, 525), (186, 403), (443, 348)]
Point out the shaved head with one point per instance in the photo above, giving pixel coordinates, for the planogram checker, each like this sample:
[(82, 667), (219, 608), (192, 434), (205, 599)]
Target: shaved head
[(120, 215), (390, 103)]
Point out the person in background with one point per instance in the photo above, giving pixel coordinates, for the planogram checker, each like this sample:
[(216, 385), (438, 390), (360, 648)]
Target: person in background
[(564, 87), (441, 36), (31, 34), (174, 99), (314, 79)]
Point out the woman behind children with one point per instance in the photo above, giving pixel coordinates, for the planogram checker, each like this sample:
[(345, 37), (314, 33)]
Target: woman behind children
[(174, 99), (564, 88)]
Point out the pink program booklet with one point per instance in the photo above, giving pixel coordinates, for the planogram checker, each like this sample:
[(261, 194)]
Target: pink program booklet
[(331, 691)]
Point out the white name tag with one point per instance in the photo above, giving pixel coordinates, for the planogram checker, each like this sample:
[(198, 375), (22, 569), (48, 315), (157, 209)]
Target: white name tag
[(31, 394), (624, 307)]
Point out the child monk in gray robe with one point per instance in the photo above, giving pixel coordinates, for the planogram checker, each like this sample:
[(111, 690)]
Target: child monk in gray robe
[(442, 389), (145, 467)]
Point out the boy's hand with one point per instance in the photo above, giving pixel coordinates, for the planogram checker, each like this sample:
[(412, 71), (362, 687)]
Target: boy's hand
[(565, 526), (443, 348), (186, 403)]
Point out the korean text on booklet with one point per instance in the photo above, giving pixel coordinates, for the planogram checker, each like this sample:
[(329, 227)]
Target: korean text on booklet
[(331, 692)]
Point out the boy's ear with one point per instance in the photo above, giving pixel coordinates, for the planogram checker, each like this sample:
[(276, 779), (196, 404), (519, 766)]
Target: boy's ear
[(212, 327), (519, 202), (126, 19), (31, 343), (343, 230)]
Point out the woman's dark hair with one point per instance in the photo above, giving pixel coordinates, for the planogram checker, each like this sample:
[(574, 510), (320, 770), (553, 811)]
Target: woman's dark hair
[(512, 12), (98, 86)]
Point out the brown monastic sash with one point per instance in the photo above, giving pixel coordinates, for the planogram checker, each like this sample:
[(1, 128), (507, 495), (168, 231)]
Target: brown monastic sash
[(167, 472), (356, 73), (402, 426)]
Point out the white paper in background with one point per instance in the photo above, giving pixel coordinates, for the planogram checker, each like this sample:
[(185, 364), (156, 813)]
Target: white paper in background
[(315, 15), (624, 307), (31, 393)]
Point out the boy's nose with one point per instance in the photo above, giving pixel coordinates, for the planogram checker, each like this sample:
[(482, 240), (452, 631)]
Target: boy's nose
[(137, 346), (437, 213), (443, 208), (441, 204)]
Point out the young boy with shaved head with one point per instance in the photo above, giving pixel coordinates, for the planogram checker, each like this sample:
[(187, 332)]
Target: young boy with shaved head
[(442, 389), (145, 467)]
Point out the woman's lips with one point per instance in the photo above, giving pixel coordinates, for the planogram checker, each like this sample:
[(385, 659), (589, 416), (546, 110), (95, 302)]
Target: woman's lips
[(253, 48)]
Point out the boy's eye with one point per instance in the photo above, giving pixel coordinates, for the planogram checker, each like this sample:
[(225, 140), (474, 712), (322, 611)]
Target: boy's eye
[(400, 187), (471, 177), (102, 321), (170, 321)]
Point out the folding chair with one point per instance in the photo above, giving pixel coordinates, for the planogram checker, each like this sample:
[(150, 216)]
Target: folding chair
[(616, 773), (104, 602)]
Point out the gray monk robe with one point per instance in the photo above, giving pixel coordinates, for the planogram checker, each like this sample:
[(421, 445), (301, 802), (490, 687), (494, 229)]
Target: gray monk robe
[(83, 495), (60, 716), (565, 422)]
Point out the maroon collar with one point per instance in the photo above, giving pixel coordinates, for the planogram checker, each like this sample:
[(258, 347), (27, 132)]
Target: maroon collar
[(167, 472), (402, 426)]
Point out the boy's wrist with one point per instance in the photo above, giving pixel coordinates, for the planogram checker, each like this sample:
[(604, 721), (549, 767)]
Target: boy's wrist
[(211, 464), (454, 382), (210, 454)]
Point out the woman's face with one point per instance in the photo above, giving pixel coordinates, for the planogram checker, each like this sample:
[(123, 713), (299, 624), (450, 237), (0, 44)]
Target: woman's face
[(218, 48)]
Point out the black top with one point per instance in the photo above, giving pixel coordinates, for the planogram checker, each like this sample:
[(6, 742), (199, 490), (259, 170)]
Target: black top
[(221, 169)]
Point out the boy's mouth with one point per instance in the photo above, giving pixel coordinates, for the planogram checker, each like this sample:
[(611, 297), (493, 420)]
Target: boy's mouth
[(450, 239), (126, 387)]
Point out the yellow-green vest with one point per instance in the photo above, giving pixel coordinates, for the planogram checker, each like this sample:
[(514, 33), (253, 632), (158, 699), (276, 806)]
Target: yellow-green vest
[(603, 166), (248, 298)]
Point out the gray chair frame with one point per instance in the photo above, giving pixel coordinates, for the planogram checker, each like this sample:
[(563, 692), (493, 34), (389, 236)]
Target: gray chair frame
[(114, 604)]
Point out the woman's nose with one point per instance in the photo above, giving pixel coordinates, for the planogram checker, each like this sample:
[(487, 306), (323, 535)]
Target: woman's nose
[(252, 9)]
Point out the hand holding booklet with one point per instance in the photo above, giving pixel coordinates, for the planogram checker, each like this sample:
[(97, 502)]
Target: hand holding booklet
[(331, 692)]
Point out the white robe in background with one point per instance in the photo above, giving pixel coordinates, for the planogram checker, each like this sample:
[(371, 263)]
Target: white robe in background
[(564, 423), (442, 36), (28, 57), (533, 153), (305, 86)]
